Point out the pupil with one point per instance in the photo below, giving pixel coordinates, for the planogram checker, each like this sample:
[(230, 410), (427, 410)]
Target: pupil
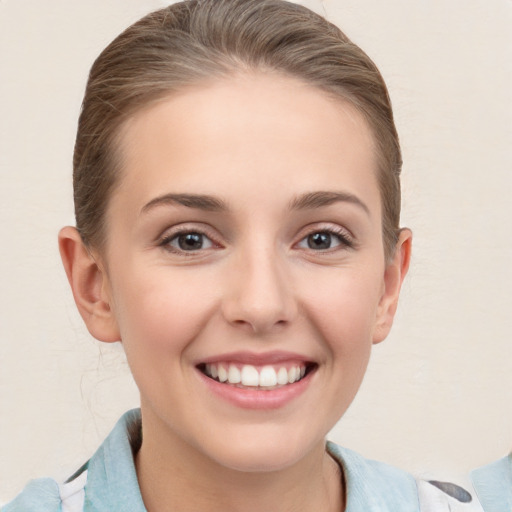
[(190, 241), (319, 241)]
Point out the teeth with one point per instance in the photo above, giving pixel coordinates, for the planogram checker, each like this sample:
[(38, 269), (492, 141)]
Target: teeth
[(223, 374), (268, 377), (282, 376), (292, 374), (234, 376), (250, 376)]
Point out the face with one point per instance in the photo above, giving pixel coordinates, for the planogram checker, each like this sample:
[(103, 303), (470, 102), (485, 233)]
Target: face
[(244, 270)]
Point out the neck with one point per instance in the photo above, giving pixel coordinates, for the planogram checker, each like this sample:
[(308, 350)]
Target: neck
[(174, 476)]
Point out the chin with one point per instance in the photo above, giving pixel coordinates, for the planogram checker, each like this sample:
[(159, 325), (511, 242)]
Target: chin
[(258, 462), (263, 454)]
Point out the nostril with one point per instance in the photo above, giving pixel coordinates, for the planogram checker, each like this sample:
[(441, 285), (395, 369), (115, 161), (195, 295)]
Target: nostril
[(259, 324)]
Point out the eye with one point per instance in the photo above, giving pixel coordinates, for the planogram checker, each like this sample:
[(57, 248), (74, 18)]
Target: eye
[(325, 240), (187, 241)]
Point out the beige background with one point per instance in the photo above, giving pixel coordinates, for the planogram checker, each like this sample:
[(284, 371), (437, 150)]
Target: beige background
[(438, 395)]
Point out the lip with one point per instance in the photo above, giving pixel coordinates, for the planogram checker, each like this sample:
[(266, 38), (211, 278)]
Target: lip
[(255, 359), (257, 399)]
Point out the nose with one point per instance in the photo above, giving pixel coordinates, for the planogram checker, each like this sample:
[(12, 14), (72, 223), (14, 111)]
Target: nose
[(259, 292)]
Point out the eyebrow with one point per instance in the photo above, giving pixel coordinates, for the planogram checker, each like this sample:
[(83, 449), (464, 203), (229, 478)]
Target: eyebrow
[(197, 201), (309, 200), (319, 199)]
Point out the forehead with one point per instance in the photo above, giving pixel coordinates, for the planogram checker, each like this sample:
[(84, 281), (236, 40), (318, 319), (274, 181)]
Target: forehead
[(245, 130)]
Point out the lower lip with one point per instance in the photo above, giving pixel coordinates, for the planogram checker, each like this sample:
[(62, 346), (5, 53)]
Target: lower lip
[(257, 398)]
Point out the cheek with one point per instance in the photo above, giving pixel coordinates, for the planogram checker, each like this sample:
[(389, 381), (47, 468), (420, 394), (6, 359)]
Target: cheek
[(343, 307), (162, 313)]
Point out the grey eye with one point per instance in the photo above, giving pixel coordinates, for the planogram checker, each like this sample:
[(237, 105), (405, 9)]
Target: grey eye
[(190, 241), (320, 241)]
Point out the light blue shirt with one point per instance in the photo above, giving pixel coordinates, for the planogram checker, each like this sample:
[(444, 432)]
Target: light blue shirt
[(108, 483), (493, 485)]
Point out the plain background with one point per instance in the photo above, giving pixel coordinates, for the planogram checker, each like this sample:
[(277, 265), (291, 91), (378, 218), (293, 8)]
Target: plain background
[(438, 394)]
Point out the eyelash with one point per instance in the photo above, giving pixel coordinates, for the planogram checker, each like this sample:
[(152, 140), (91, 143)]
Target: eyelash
[(165, 241), (344, 239)]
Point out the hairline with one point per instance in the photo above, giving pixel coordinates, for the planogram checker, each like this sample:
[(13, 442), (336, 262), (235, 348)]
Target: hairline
[(228, 67)]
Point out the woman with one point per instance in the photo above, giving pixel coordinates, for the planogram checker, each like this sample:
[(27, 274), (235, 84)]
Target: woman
[(237, 199)]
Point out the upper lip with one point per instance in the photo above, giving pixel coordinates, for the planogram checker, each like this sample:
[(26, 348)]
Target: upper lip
[(257, 359)]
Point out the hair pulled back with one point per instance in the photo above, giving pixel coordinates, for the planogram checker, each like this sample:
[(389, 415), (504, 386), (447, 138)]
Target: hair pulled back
[(198, 40)]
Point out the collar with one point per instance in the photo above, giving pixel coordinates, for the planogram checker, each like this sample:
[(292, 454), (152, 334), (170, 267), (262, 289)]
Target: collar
[(112, 479), (375, 486)]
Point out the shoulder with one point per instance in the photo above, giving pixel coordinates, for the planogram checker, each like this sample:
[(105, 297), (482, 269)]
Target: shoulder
[(46, 495), (493, 485), (41, 495), (375, 486), (107, 482)]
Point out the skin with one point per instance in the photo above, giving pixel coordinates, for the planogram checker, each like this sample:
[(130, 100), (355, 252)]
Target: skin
[(257, 144)]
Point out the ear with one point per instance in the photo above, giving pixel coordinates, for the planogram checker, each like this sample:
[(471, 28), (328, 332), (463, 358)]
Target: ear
[(90, 286), (394, 275)]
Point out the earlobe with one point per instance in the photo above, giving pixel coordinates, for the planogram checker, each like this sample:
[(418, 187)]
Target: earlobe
[(89, 284), (394, 275)]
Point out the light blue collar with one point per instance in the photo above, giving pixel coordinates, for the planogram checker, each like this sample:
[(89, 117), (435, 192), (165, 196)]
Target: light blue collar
[(112, 480), (373, 485)]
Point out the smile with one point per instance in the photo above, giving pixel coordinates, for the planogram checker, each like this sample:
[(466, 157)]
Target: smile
[(256, 377)]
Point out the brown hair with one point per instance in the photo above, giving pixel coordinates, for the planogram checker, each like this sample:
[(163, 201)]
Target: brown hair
[(196, 40)]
